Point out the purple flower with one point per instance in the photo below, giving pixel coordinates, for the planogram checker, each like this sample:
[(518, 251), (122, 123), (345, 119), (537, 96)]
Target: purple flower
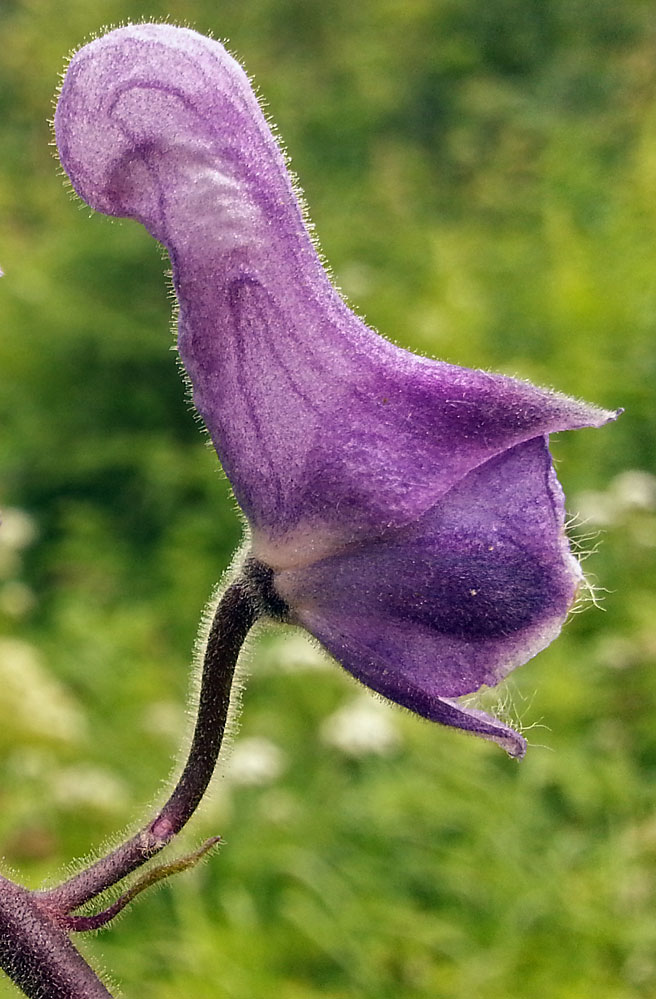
[(407, 508)]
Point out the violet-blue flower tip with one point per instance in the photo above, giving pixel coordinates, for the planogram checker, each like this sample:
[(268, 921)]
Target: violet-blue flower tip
[(408, 509)]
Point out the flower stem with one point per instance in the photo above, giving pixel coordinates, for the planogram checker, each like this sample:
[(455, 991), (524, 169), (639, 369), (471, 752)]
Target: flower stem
[(232, 621), (35, 951)]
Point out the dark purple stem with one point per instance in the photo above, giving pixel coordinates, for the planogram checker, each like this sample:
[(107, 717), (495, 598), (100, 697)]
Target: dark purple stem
[(233, 619), (35, 951)]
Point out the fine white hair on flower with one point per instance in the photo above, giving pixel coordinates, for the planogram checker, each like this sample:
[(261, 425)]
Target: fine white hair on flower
[(362, 727), (405, 510)]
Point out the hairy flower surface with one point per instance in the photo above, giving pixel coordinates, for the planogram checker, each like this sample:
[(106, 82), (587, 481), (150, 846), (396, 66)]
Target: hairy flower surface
[(408, 508)]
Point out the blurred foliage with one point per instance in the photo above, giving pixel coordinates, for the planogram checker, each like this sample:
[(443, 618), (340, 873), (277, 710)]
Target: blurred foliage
[(482, 174)]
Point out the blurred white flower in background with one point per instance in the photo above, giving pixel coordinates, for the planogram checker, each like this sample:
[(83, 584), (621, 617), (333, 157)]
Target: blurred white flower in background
[(165, 719), (630, 492), (17, 531), (280, 807), (618, 651), (255, 761), (363, 726), (290, 651), (33, 704), (89, 786)]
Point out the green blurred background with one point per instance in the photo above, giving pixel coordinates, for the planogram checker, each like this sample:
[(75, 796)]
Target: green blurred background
[(482, 175)]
